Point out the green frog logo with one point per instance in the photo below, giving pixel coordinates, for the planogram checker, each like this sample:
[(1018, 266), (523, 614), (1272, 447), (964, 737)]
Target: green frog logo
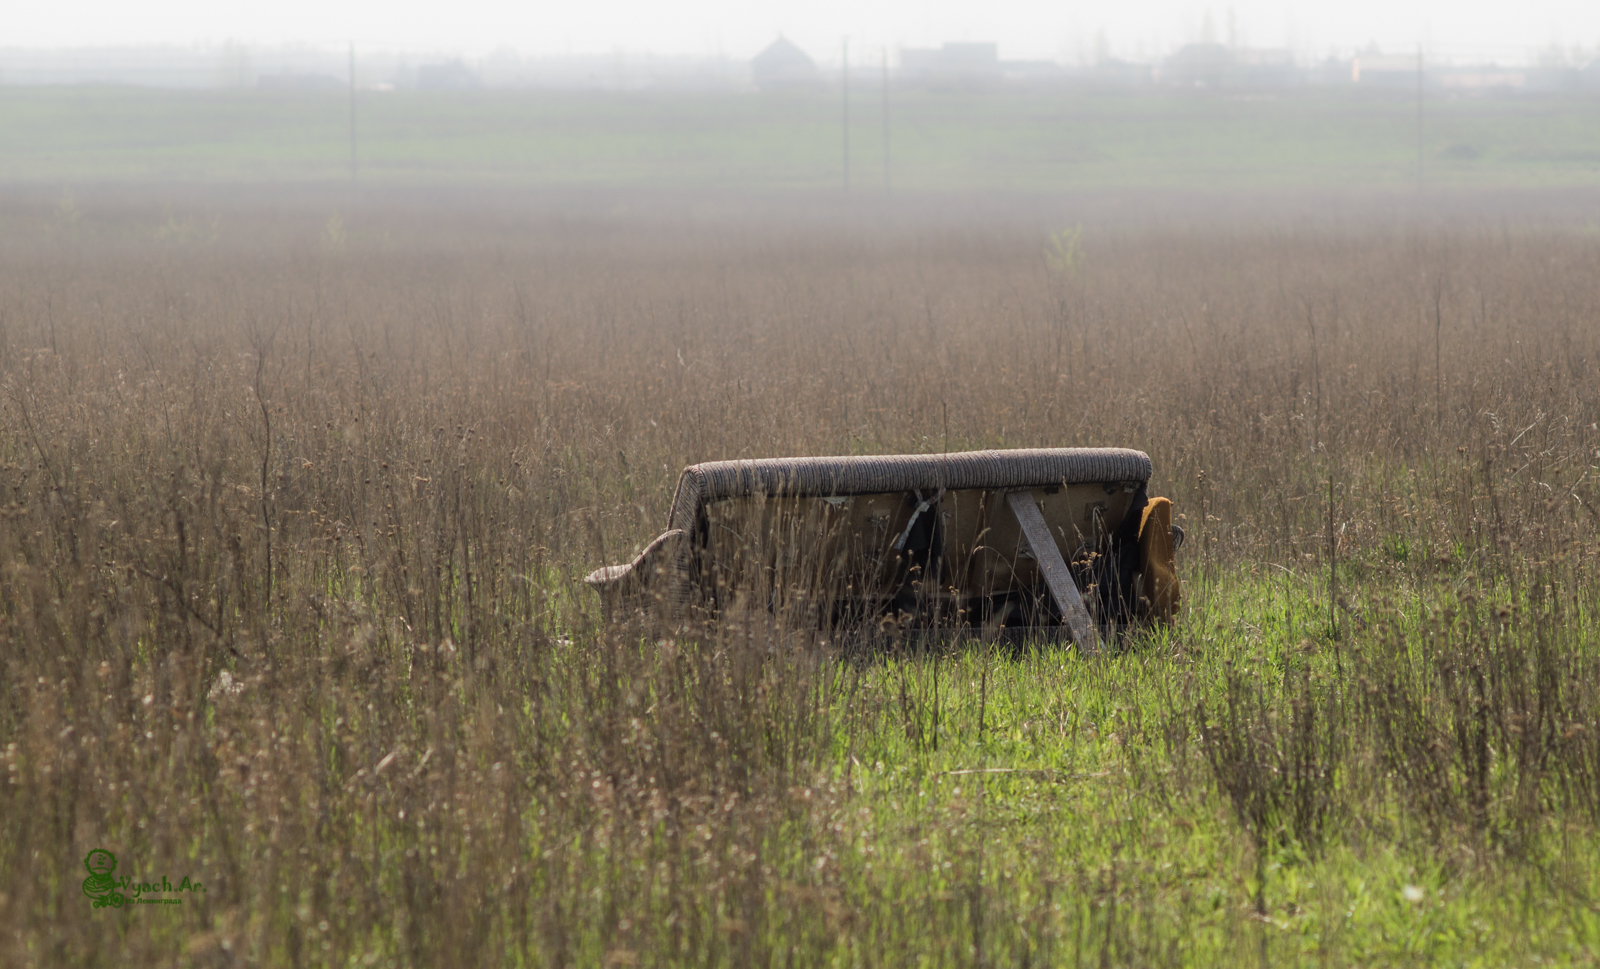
[(100, 886)]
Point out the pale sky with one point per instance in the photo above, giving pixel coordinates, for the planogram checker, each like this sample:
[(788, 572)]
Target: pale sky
[(1453, 29)]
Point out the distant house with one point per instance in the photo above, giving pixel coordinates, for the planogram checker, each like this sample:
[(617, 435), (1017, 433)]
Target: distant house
[(1216, 65), (452, 76), (1198, 65), (783, 65), (1031, 72), (1331, 70), (962, 64), (290, 81), (1482, 79), (1385, 69), (1116, 73), (1264, 66)]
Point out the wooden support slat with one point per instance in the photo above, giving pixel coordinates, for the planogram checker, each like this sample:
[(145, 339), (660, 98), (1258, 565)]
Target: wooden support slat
[(1054, 568)]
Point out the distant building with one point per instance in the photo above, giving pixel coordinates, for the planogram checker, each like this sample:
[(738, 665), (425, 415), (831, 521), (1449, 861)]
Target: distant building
[(1385, 69), (1264, 66), (1031, 72), (289, 81), (1555, 77), (1114, 73), (1482, 79), (783, 65), (1198, 65), (960, 65), (1406, 70), (1217, 65), (453, 76), (1331, 71)]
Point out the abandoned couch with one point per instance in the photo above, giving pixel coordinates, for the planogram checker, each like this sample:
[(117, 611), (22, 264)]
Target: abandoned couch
[(1057, 543)]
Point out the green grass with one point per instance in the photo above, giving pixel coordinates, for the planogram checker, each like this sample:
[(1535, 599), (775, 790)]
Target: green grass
[(1021, 141), (1045, 809)]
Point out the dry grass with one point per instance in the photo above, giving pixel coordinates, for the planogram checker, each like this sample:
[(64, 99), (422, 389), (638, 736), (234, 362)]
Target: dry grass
[(293, 511)]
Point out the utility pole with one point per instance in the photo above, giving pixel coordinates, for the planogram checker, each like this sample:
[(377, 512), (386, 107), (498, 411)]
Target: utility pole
[(1419, 120), (352, 115), (886, 120), (844, 68)]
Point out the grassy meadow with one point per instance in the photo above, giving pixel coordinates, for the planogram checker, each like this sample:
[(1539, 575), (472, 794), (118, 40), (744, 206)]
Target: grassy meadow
[(295, 501), (1029, 141)]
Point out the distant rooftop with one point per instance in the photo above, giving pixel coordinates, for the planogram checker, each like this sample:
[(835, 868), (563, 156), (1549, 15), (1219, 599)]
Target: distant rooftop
[(961, 61), (782, 64)]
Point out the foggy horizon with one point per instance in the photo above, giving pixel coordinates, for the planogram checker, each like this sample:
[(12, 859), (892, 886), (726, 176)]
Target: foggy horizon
[(1472, 32)]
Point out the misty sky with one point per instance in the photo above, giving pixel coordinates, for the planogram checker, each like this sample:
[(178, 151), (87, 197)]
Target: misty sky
[(1024, 29)]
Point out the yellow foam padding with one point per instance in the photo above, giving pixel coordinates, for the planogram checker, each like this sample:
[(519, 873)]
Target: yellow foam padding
[(1158, 575)]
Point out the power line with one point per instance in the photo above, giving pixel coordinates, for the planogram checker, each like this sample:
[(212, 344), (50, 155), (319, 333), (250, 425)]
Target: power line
[(886, 121), (352, 115), (845, 118)]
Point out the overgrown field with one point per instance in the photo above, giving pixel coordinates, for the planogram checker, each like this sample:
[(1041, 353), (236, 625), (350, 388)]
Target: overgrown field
[(293, 509)]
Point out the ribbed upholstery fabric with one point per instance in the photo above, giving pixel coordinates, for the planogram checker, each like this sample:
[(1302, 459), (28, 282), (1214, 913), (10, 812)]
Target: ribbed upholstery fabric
[(668, 562), (827, 477)]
